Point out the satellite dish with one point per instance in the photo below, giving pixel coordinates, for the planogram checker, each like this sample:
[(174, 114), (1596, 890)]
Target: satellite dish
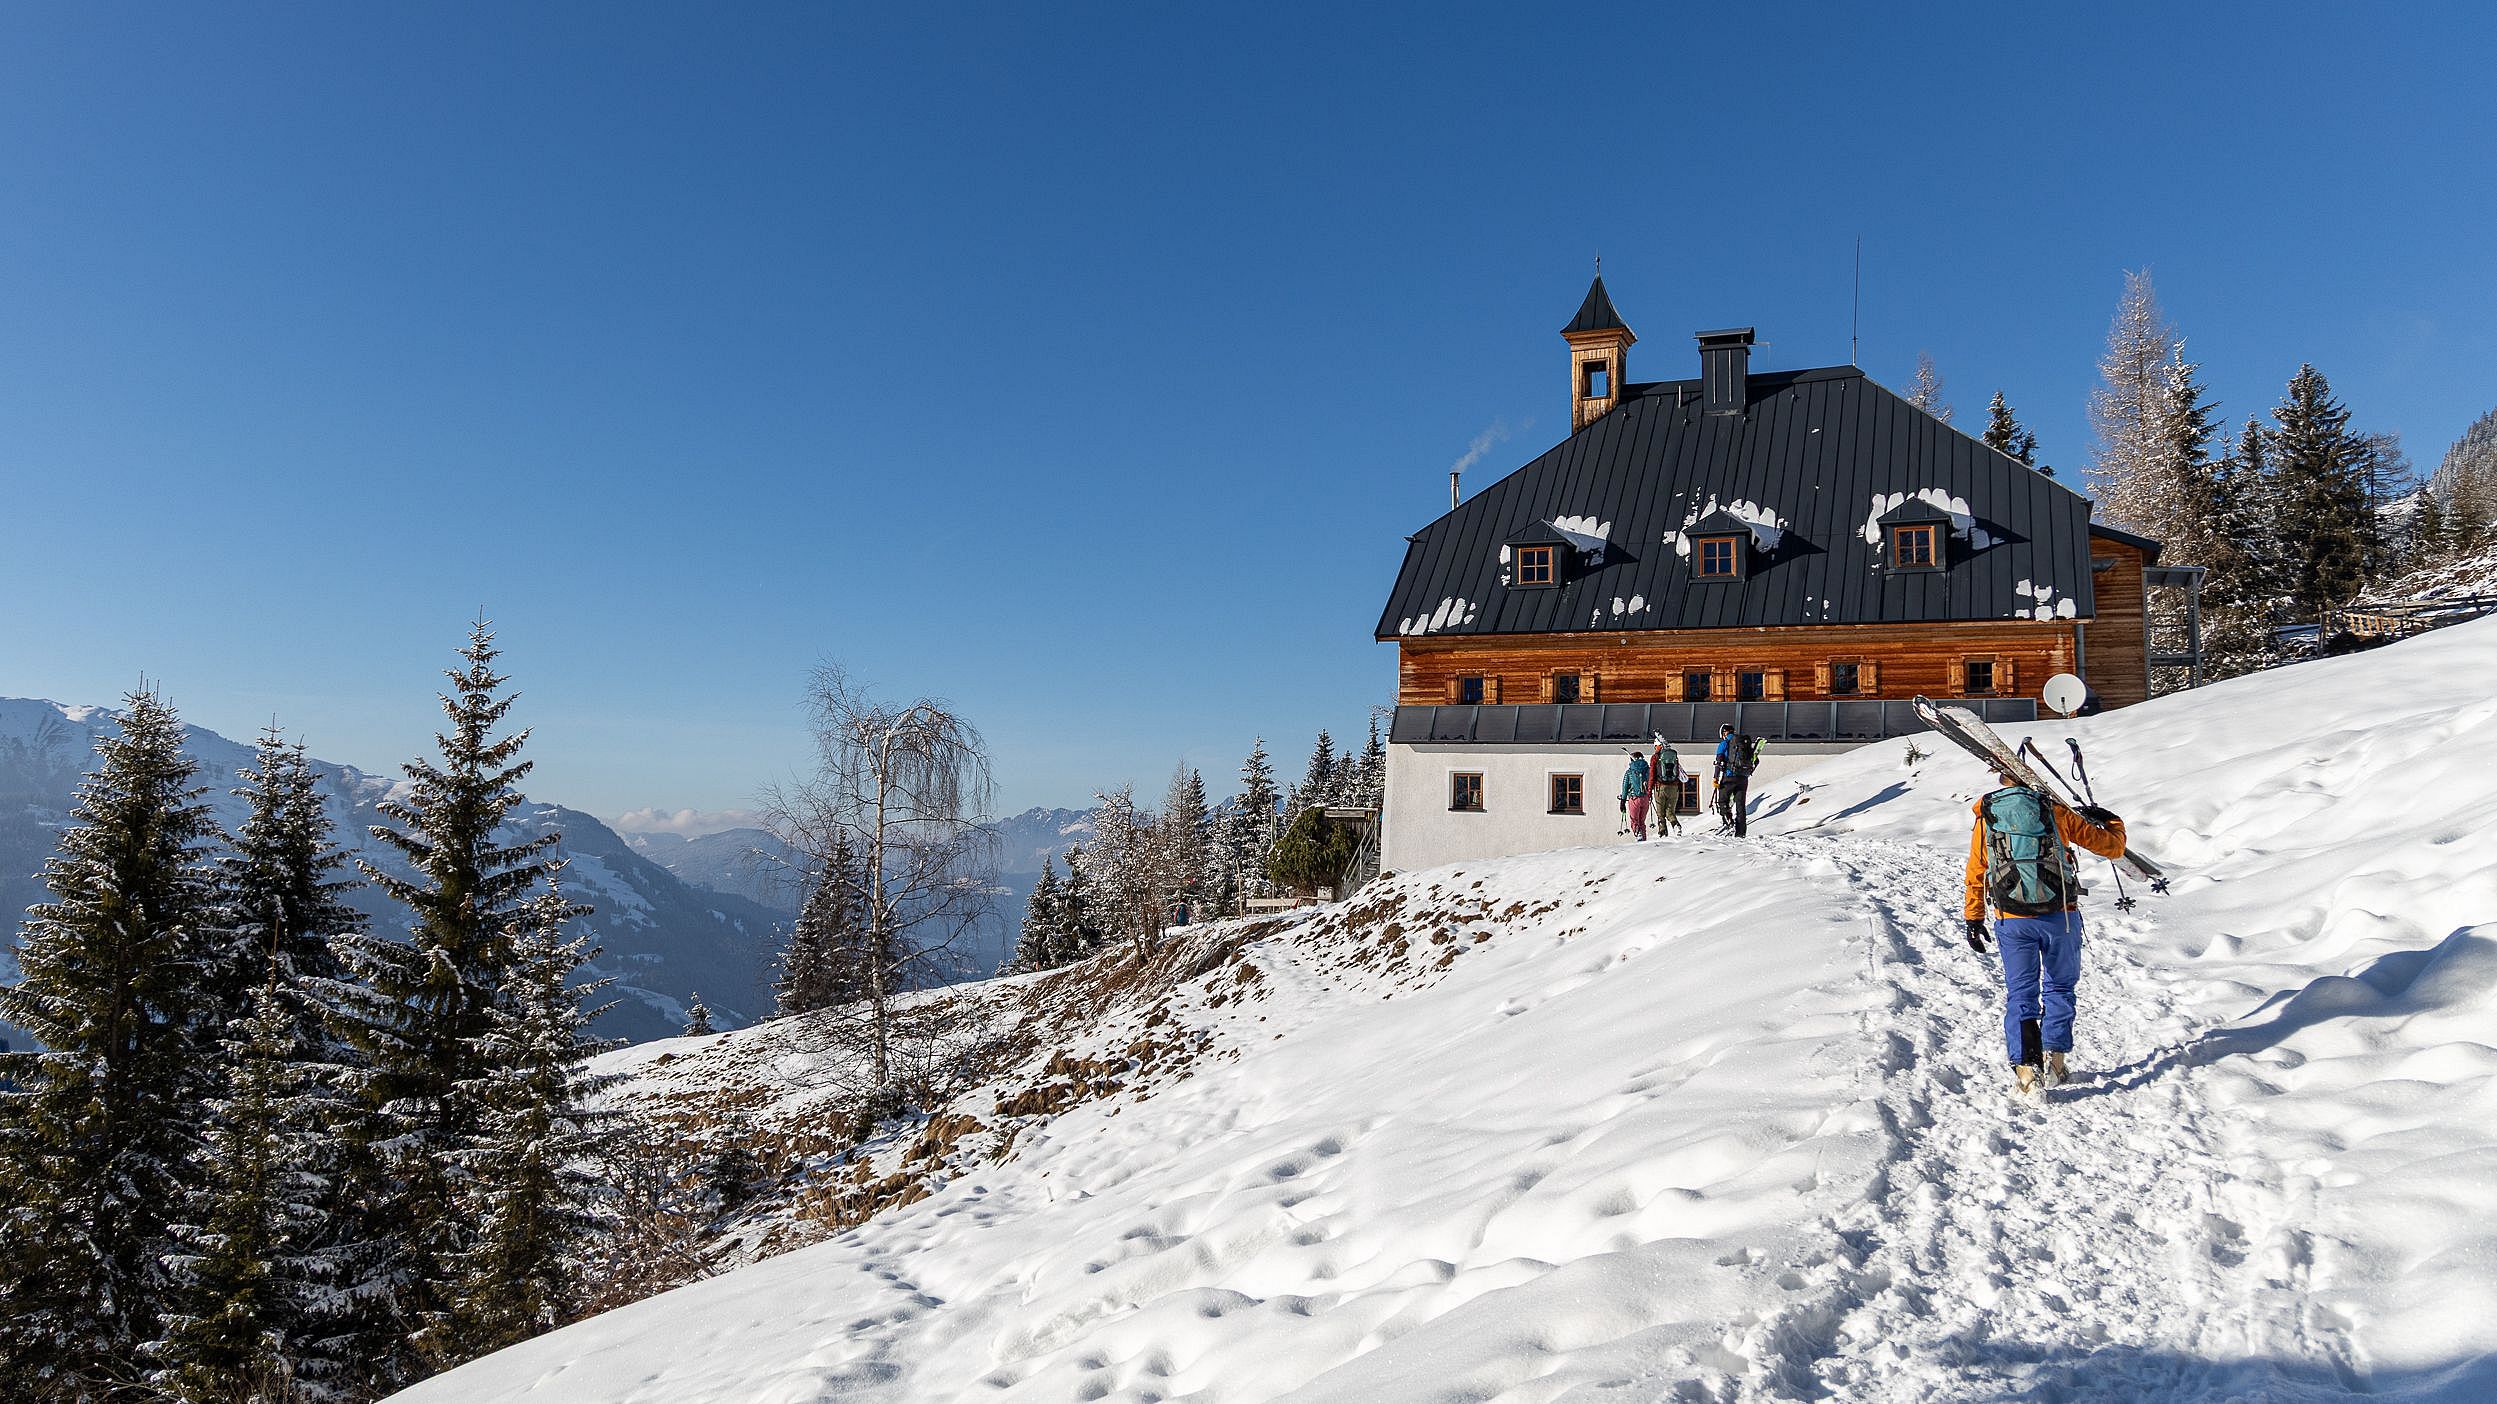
[(2065, 693)]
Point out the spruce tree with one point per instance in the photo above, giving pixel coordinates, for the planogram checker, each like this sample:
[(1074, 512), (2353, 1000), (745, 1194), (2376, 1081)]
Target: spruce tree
[(430, 1002), (1318, 782), (1184, 840), (1037, 947), (2005, 434), (1079, 929), (528, 1180), (698, 1019), (825, 963), (99, 1131), (2244, 577), (1253, 823), (286, 1137), (2326, 520), (259, 1275), (2427, 531)]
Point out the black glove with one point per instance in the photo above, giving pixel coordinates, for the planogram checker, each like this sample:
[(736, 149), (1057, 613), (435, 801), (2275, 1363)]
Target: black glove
[(2099, 818), (1976, 934), (1625, 804)]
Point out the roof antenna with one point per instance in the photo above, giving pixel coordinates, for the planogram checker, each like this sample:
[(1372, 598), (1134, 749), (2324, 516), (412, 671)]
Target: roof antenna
[(1855, 318)]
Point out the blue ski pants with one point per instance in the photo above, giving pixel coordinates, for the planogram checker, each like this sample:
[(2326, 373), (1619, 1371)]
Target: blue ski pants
[(2041, 963)]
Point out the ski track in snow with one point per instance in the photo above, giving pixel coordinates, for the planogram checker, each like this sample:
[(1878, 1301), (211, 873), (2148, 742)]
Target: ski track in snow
[(2096, 1246)]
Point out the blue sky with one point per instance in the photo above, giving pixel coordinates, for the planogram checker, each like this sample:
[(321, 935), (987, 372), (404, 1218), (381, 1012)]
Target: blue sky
[(1084, 365)]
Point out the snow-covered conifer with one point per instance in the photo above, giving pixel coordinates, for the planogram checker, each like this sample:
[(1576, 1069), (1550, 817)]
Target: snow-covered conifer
[(529, 1172), (698, 1018), (99, 1130), (263, 1280), (2326, 520), (2005, 433), (1037, 948), (430, 1002), (822, 966)]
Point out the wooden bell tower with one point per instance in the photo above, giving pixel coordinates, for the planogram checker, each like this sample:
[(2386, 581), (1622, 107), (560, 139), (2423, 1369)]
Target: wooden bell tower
[(1599, 356)]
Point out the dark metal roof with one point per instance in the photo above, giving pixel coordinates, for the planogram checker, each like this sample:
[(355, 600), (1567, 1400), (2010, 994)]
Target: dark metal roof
[(1815, 458), (2150, 549), (1635, 723), (1596, 313)]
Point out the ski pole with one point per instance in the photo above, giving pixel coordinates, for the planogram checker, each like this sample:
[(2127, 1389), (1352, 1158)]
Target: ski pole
[(2124, 900)]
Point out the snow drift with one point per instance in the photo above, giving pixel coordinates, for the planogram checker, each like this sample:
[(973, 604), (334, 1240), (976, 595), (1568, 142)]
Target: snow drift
[(1712, 1121)]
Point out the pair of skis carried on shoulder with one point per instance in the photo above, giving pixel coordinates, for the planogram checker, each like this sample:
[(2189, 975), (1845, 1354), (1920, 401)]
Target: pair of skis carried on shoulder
[(1966, 730)]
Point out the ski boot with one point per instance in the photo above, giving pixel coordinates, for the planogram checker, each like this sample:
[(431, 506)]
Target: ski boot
[(2056, 1073), (2025, 1079)]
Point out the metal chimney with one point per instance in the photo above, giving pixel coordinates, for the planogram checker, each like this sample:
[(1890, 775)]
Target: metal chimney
[(1725, 370)]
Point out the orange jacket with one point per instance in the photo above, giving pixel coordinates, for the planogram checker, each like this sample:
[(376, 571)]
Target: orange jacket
[(2106, 843)]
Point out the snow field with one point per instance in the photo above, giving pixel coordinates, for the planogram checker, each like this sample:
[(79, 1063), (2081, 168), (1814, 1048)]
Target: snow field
[(1569, 1161), (1707, 1121)]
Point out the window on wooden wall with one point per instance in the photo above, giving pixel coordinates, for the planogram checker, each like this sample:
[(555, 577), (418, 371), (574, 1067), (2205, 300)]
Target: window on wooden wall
[(1695, 685), (1916, 547), (1465, 792), (1982, 677), (1846, 678), (1534, 565), (1569, 794), (1597, 379), (1564, 688), (1718, 560), (1751, 685)]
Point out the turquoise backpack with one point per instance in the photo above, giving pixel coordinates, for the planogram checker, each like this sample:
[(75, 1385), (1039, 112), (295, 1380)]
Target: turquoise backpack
[(2028, 871)]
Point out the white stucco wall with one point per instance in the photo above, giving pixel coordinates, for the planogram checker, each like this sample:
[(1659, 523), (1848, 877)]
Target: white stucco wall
[(1421, 831)]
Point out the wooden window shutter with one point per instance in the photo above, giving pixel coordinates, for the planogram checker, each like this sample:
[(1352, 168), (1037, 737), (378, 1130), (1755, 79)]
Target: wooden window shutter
[(1673, 685), (2006, 676), (1491, 688), (1868, 679), (1589, 687), (1547, 686), (1454, 686), (1773, 684), (1820, 678), (1959, 677)]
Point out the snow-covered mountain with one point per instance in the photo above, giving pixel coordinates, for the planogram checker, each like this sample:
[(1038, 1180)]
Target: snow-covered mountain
[(1699, 1120), (664, 940), (754, 865)]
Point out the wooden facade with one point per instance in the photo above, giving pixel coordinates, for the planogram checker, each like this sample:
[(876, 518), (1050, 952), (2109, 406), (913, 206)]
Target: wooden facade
[(2116, 645), (1792, 664)]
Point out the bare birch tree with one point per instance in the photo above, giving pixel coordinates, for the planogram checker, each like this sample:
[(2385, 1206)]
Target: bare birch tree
[(905, 790)]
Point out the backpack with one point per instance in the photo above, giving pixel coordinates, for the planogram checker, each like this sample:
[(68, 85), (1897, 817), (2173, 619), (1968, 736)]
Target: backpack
[(1638, 777), (2028, 871), (1668, 770), (1741, 758)]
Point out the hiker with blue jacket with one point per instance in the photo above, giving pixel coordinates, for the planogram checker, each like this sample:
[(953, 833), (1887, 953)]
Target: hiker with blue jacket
[(2020, 863)]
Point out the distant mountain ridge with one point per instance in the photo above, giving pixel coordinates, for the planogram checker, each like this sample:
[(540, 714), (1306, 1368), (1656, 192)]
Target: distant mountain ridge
[(755, 866), (663, 939)]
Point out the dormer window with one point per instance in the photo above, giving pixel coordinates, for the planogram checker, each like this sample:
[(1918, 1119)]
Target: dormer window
[(1720, 557), (1534, 565), (1917, 546)]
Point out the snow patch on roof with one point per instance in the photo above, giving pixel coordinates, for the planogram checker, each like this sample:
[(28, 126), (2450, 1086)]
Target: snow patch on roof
[(1450, 611), (1767, 527), (1963, 524)]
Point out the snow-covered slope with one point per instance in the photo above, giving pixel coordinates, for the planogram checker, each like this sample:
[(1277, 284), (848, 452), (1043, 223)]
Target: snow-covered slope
[(1713, 1121), (663, 940)]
